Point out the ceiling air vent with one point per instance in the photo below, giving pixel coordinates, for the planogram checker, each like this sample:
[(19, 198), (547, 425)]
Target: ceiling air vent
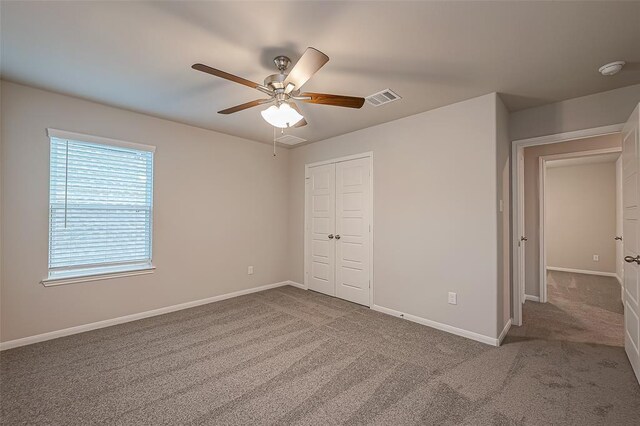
[(290, 140), (383, 97)]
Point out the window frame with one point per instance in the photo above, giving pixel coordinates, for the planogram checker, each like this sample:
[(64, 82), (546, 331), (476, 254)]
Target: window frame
[(105, 271)]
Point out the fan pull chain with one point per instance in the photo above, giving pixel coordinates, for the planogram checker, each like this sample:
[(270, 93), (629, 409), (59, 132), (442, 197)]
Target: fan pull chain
[(274, 141)]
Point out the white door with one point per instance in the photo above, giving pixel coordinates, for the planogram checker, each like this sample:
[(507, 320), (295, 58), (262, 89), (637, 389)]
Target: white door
[(353, 233), (321, 225), (619, 221), (631, 242)]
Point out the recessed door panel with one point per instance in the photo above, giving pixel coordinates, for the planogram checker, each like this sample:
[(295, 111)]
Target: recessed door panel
[(321, 271), (321, 203), (353, 252), (630, 191), (321, 248), (322, 225)]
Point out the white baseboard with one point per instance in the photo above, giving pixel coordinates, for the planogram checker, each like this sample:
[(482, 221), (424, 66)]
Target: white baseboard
[(619, 279), (295, 284), (443, 327), (133, 317), (582, 271), (532, 298), (504, 332)]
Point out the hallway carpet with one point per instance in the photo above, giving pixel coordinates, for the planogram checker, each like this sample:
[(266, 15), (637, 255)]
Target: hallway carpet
[(289, 356), (580, 308)]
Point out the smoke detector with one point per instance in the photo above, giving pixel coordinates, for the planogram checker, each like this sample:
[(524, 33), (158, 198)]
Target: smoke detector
[(611, 68)]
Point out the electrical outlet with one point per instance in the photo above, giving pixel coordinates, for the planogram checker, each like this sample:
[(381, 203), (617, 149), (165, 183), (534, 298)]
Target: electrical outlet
[(596, 258), (453, 298), (250, 270)]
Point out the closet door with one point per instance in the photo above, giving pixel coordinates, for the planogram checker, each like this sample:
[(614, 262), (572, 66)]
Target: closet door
[(321, 228), (353, 233)]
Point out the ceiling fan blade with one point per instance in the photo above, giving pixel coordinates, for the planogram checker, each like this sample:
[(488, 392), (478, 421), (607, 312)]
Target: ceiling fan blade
[(218, 73), (244, 106), (310, 62), (302, 122), (336, 100)]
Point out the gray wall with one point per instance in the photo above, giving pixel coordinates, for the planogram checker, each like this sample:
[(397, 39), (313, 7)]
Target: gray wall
[(531, 197), (600, 109), (580, 216), (220, 204), (223, 203), (430, 171), (435, 211)]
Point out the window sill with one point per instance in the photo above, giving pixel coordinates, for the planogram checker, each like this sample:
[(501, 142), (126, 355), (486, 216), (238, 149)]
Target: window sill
[(70, 279)]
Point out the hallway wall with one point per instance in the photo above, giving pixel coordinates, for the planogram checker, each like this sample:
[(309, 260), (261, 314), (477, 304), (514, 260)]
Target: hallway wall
[(585, 112), (580, 216), (531, 205)]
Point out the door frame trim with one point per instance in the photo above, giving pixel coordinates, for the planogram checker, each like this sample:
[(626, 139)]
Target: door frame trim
[(542, 168), (308, 166), (517, 288)]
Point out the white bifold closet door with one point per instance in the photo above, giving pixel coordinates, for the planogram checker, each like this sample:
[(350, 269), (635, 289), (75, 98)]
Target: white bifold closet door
[(340, 230)]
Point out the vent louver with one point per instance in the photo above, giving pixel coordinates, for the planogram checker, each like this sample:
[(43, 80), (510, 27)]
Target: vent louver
[(383, 97), (290, 140)]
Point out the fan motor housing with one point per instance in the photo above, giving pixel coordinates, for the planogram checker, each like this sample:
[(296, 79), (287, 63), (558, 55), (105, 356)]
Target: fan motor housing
[(275, 81)]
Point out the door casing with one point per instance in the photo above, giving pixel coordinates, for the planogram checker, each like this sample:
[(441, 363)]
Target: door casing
[(517, 229), (371, 216)]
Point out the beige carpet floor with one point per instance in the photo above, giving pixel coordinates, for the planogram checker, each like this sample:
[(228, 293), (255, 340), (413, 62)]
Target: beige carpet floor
[(289, 356), (580, 308)]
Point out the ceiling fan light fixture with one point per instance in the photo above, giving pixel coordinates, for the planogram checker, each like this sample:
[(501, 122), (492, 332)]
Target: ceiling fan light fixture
[(282, 116)]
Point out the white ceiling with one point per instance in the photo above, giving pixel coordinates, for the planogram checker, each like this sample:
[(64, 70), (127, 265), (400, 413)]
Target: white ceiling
[(137, 55), (611, 157)]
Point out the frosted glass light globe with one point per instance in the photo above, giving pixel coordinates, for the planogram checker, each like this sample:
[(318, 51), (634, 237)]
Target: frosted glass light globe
[(282, 116)]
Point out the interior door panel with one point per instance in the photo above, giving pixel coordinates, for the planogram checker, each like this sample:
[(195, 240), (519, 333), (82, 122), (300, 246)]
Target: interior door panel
[(631, 232)]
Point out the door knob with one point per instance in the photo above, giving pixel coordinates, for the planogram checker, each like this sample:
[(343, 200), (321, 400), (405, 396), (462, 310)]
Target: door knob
[(337, 237), (524, 239), (631, 259), (331, 236), (618, 238)]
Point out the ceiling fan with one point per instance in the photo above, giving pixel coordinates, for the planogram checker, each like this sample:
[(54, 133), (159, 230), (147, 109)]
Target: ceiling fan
[(283, 89)]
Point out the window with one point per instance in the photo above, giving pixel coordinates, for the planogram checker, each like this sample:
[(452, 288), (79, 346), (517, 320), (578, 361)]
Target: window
[(100, 206)]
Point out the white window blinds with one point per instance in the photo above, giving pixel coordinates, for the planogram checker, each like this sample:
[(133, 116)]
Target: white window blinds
[(100, 208)]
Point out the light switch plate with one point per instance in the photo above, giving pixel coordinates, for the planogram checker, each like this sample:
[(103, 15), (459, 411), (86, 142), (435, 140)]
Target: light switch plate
[(250, 270), (453, 298)]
